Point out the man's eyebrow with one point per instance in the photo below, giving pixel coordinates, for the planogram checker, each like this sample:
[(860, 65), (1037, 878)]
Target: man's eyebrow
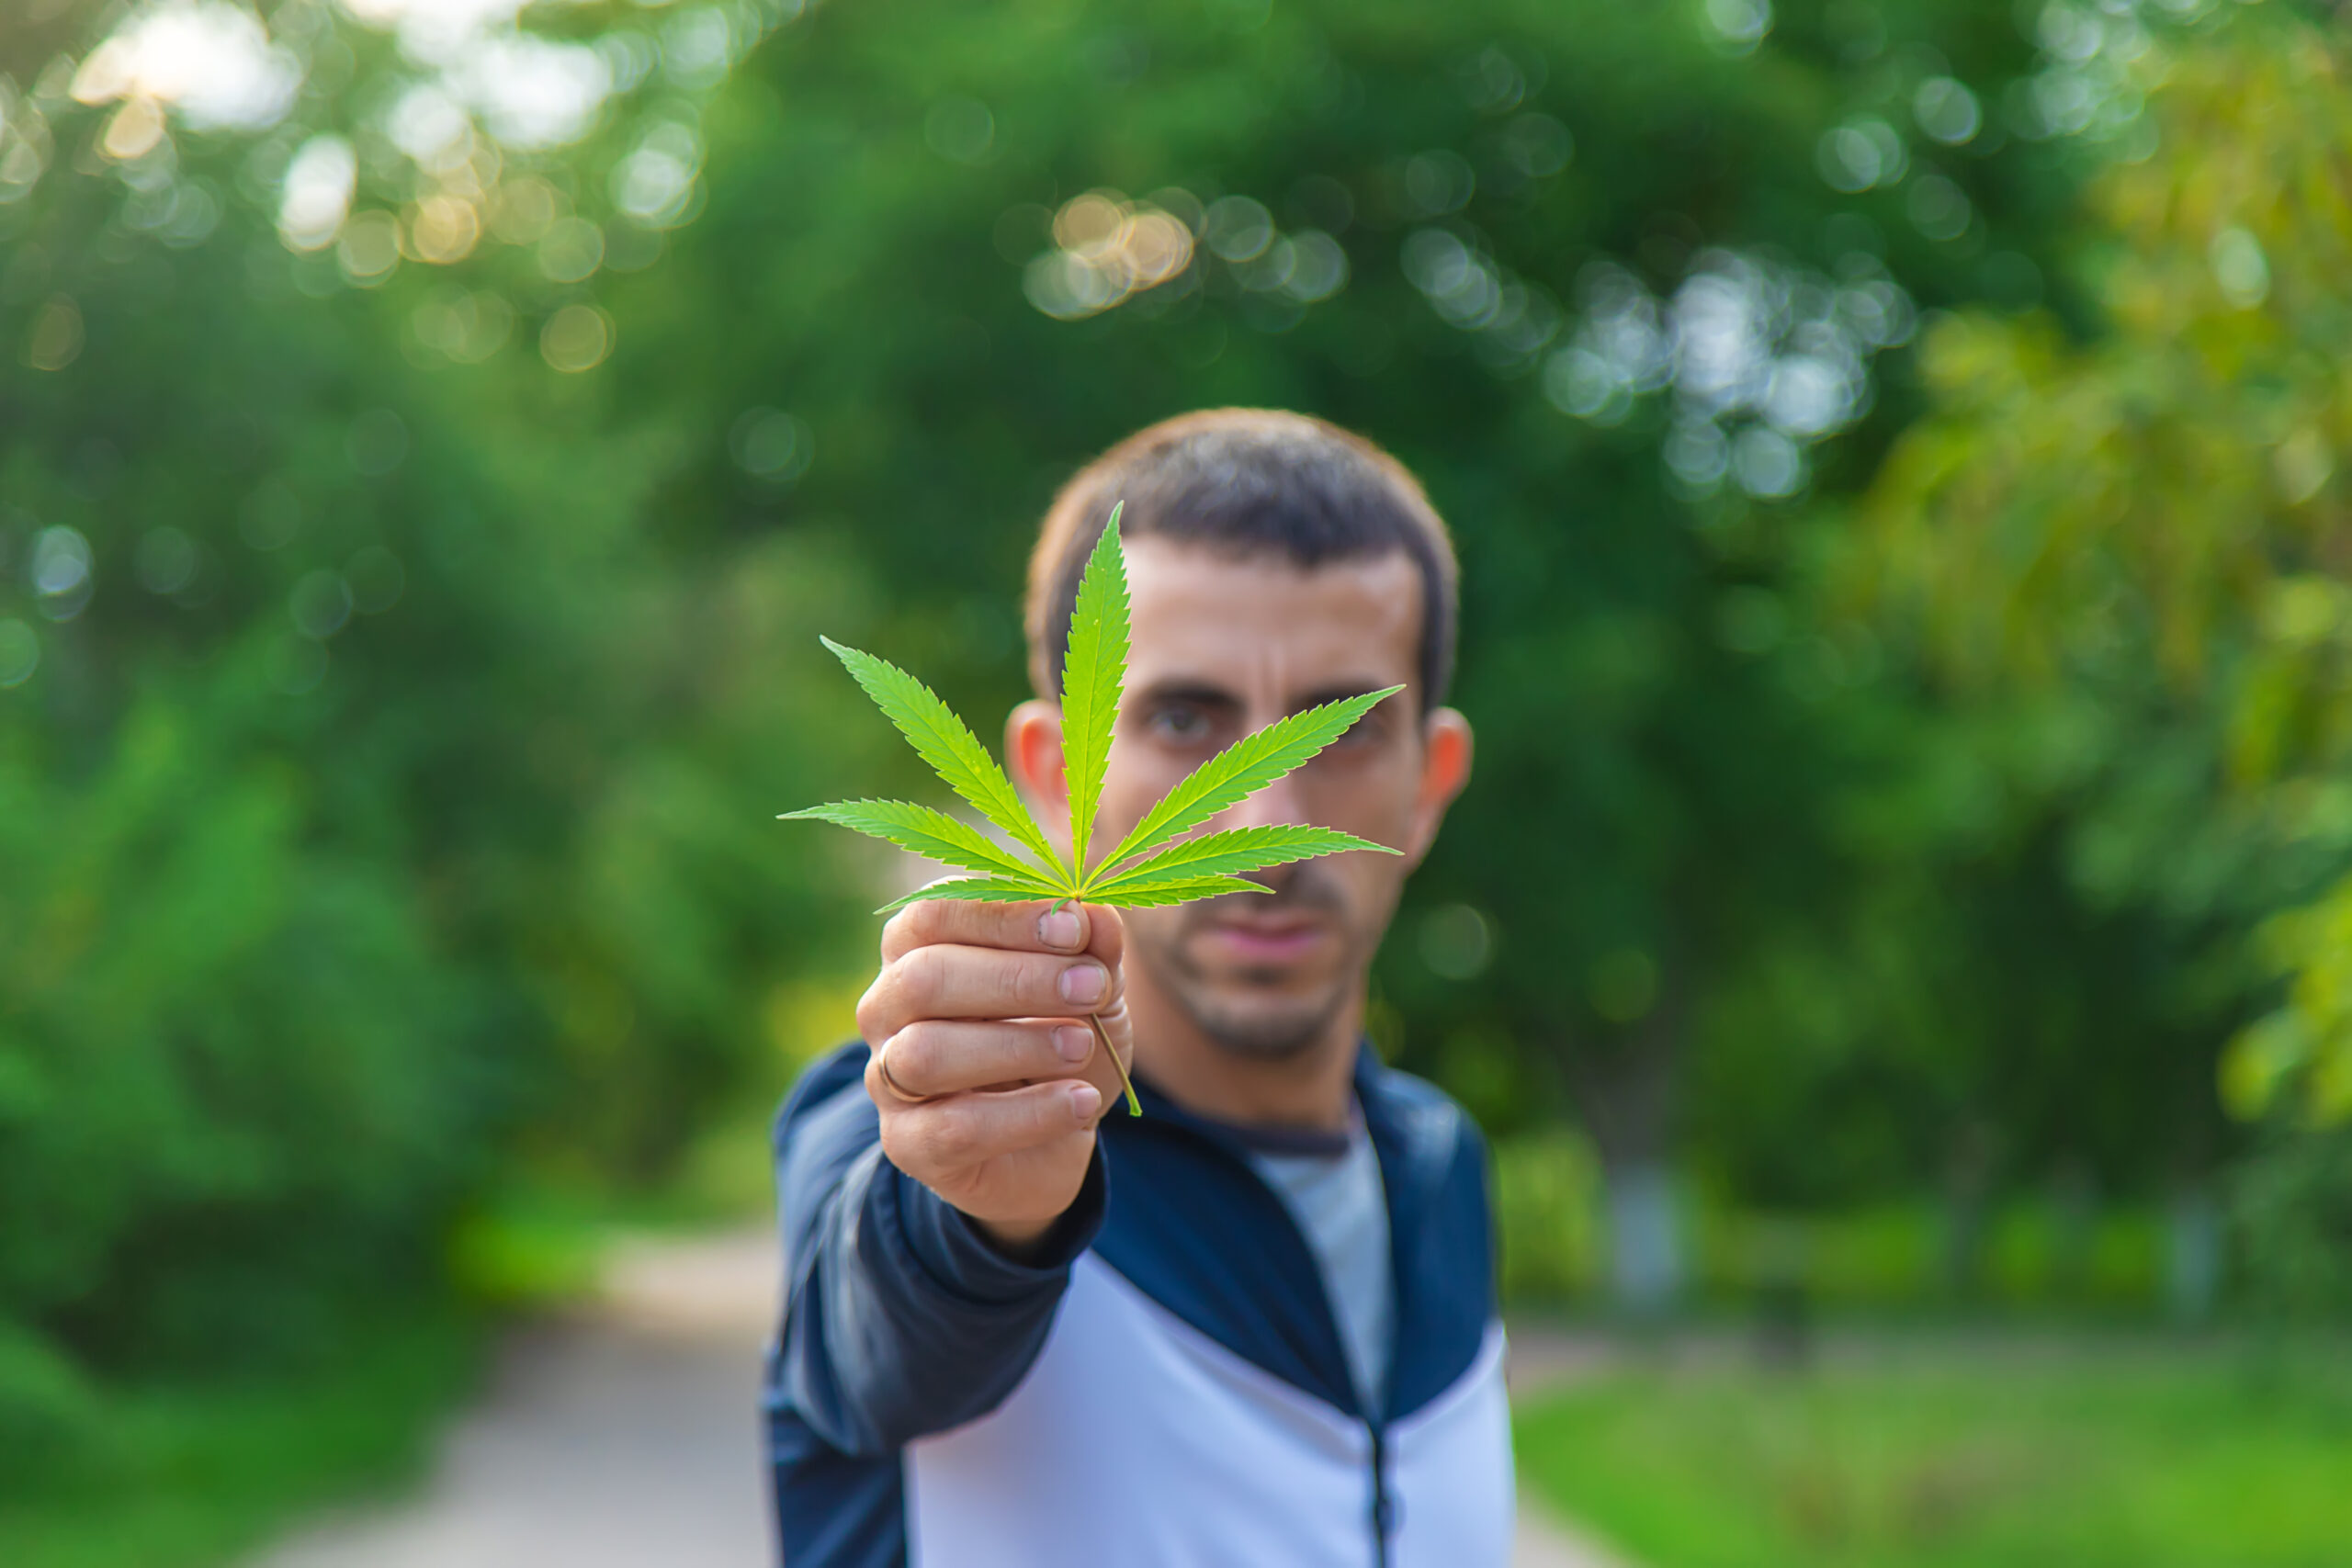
[(1198, 692), (1203, 693)]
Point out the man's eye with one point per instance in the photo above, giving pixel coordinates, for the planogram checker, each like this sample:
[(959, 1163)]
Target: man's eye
[(1181, 724)]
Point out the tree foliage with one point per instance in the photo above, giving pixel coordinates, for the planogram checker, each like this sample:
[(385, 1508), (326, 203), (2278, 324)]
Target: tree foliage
[(2148, 530), (408, 593), (381, 809)]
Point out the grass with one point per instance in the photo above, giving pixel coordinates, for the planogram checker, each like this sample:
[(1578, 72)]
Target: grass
[(195, 1474), (1967, 1458)]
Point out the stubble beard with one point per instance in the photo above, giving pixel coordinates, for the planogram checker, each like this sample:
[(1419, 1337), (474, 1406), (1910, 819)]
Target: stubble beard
[(1256, 1031)]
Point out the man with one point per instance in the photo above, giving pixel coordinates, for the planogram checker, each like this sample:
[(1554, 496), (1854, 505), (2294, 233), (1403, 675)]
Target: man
[(1256, 1324)]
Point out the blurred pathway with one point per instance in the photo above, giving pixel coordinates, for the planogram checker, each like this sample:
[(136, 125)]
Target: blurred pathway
[(628, 1437)]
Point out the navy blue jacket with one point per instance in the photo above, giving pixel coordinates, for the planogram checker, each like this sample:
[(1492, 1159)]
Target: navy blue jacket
[(920, 1380)]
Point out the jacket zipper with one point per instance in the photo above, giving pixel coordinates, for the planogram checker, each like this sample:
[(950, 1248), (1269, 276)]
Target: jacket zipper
[(1382, 1514)]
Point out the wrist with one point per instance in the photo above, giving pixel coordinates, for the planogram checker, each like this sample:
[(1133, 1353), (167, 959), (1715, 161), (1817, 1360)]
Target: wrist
[(1047, 1241), (1003, 1255), (1016, 1241)]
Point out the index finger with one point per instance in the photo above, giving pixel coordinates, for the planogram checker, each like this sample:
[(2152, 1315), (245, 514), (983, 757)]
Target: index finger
[(1040, 925)]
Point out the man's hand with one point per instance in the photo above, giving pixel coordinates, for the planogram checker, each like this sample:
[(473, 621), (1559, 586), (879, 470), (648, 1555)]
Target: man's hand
[(996, 1081)]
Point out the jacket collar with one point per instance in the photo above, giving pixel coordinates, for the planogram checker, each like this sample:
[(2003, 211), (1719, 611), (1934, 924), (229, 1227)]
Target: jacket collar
[(1190, 1225)]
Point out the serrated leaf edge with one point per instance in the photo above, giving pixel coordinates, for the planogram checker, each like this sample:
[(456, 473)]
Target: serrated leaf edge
[(934, 835), (1160, 894), (1251, 849), (1192, 802), (989, 791), (975, 889), (1094, 667)]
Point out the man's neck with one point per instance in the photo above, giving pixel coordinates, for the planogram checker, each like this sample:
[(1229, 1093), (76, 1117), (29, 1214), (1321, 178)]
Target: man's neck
[(1311, 1088)]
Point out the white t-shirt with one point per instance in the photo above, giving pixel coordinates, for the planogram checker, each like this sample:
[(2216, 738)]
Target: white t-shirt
[(1330, 1183)]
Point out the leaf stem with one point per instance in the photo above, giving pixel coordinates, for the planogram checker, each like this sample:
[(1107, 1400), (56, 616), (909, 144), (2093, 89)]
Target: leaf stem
[(1135, 1107)]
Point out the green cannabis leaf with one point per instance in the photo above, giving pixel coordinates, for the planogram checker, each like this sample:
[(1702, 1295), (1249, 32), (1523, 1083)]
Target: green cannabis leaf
[(1153, 866)]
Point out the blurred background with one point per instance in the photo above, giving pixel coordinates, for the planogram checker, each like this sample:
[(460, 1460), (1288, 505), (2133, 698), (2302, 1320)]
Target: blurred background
[(1899, 937)]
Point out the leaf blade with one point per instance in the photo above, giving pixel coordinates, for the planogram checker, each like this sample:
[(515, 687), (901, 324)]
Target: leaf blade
[(921, 830), (1162, 894), (1249, 764), (1094, 668), (975, 889), (946, 744), (1233, 851)]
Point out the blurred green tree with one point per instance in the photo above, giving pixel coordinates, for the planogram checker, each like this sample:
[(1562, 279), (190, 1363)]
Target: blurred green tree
[(2142, 537), (428, 456), (1607, 281), (379, 803)]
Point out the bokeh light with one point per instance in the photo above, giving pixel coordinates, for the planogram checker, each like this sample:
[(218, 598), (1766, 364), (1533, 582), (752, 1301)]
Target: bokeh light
[(55, 341), (166, 560), (19, 652), (576, 338), (318, 185), (572, 250), (63, 571), (208, 60), (1760, 359), (771, 444), (1107, 249)]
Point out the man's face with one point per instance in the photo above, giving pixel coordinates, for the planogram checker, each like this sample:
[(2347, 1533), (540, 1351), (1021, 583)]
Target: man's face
[(1224, 645)]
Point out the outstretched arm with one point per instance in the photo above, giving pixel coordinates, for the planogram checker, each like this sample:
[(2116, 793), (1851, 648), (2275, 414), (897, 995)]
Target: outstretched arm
[(931, 1220), (901, 1317)]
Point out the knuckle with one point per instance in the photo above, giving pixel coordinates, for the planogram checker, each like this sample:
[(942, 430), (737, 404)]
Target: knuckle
[(915, 1053), (908, 929), (926, 924), (872, 1007), (923, 920), (915, 978), (1035, 978)]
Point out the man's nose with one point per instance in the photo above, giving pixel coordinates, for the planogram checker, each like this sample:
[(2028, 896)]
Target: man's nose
[(1279, 803)]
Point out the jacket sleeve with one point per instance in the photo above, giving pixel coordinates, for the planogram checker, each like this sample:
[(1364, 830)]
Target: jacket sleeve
[(899, 1318)]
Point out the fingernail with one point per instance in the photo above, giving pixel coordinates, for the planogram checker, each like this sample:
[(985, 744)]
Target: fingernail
[(1085, 1100), (1058, 928), (1083, 983), (1073, 1044)]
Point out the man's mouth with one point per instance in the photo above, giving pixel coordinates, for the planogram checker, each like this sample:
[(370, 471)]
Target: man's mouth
[(1267, 939)]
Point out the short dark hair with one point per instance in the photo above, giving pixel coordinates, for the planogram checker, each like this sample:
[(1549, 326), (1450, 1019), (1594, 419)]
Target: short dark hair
[(1246, 482)]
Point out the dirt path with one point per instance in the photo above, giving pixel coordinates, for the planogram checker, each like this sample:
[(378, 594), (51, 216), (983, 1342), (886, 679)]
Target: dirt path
[(628, 1437)]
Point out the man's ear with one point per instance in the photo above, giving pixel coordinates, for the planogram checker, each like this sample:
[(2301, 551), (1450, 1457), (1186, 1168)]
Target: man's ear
[(1446, 748), (1033, 749)]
